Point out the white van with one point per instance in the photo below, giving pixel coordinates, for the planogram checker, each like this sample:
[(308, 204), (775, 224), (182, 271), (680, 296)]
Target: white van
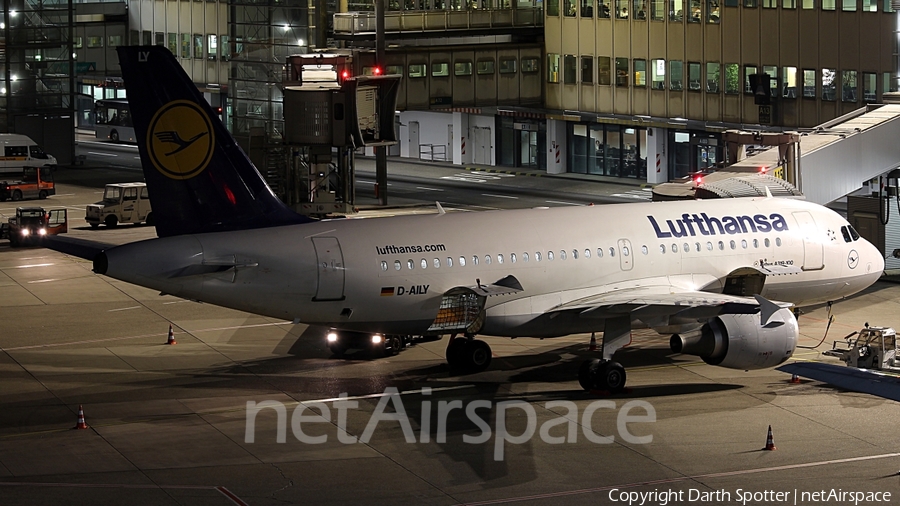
[(19, 151), (122, 203)]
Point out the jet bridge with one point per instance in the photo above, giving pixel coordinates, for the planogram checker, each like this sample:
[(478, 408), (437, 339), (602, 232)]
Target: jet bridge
[(837, 157)]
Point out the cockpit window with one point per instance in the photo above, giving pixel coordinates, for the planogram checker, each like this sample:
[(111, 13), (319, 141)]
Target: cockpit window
[(846, 233), (853, 232)]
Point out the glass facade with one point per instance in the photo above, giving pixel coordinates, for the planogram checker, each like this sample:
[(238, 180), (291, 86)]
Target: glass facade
[(607, 150)]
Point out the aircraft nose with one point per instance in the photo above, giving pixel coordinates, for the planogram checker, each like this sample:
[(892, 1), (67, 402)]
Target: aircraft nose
[(874, 261)]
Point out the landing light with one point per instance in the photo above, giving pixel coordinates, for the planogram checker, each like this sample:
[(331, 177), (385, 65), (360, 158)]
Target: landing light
[(376, 339), (332, 337)]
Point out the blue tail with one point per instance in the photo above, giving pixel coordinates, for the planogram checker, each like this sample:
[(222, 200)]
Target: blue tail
[(198, 177)]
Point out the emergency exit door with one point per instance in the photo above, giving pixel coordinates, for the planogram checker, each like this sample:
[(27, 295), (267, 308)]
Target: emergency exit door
[(330, 269)]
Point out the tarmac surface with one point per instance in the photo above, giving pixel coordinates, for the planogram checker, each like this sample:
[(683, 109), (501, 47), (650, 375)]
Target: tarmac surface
[(174, 424)]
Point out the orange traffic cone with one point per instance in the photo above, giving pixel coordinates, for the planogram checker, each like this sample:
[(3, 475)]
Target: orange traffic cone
[(770, 442), (593, 346), (795, 378), (171, 336), (80, 424)]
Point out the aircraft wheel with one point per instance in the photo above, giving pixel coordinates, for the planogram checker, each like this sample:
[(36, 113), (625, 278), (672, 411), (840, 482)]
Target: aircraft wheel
[(587, 374), (455, 350), (477, 356), (611, 377)]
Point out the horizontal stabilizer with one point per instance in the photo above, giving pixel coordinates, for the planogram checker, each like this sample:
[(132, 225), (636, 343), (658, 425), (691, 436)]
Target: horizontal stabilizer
[(848, 378), (81, 248)]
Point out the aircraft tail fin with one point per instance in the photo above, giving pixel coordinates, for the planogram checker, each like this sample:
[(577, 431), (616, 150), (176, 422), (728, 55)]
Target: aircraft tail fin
[(198, 177)]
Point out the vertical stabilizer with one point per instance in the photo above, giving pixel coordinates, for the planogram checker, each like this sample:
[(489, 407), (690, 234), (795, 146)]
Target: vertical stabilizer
[(199, 179)]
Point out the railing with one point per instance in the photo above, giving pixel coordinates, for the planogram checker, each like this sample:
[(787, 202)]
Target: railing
[(433, 152), (353, 23)]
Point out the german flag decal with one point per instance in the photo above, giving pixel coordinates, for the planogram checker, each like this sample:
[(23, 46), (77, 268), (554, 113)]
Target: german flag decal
[(387, 291)]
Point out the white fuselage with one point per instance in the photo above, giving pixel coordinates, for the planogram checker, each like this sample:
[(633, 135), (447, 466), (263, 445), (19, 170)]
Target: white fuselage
[(389, 274)]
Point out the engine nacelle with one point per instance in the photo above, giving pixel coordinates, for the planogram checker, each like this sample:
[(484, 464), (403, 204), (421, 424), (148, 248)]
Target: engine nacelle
[(738, 341)]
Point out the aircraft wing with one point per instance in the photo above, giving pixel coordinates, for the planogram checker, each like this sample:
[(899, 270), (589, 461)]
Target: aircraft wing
[(848, 378), (665, 300)]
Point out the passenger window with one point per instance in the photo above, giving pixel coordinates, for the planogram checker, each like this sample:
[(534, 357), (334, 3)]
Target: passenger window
[(626, 251), (697, 247), (549, 255), (709, 246), (755, 243), (644, 249), (462, 261), (612, 252), (384, 266), (424, 263), (144, 193), (574, 254), (537, 256), (397, 265), (410, 264), (587, 253), (512, 257), (16, 151), (778, 241), (487, 260), (500, 259), (474, 259), (599, 252), (732, 244), (662, 248), (674, 248), (721, 245), (525, 256), (744, 243), (437, 263), (449, 261), (562, 254), (767, 243), (130, 194), (686, 248)]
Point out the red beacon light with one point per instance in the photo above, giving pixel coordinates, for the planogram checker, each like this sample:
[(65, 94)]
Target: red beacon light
[(345, 74), (698, 178), (763, 170), (376, 71)]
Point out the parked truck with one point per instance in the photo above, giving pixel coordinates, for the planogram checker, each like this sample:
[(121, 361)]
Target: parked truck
[(35, 183), (32, 223)]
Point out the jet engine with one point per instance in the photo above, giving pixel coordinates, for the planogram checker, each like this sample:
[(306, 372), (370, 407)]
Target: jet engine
[(740, 341)]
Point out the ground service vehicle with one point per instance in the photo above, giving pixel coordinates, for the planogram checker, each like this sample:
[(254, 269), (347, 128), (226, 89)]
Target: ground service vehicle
[(870, 348), (114, 120), (122, 203), (36, 182), (32, 223), (19, 151)]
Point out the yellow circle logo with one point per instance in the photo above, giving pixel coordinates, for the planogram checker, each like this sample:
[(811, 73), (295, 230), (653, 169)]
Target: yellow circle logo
[(180, 139)]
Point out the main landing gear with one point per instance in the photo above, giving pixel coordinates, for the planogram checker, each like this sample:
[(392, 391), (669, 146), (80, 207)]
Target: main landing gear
[(468, 354), (599, 374)]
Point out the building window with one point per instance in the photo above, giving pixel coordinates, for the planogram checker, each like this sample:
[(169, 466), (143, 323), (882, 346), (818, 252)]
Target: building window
[(868, 84), (134, 37), (869, 6), (78, 42), (552, 67), (640, 72), (890, 84), (114, 41), (808, 4), (658, 74), (732, 78), (553, 7), (185, 45), (212, 46), (640, 9), (828, 5), (828, 84), (95, 42), (749, 70), (224, 47), (146, 38), (198, 46), (570, 7), (173, 43), (507, 66), (570, 69), (848, 86), (676, 75), (603, 9), (462, 68), (750, 4), (485, 67), (529, 65), (417, 70), (621, 9), (694, 77), (676, 10), (622, 72), (789, 4), (393, 70), (587, 8), (587, 69), (658, 10), (160, 39), (848, 5), (604, 76), (888, 6), (772, 72), (769, 4), (809, 83), (712, 11), (712, 77), (789, 86), (440, 69), (696, 12)]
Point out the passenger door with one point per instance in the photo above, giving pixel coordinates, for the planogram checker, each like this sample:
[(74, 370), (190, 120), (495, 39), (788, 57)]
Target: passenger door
[(143, 205), (330, 268), (58, 222), (813, 247), (129, 204)]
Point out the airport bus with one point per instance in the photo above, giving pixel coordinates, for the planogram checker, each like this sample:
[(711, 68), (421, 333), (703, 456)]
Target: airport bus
[(113, 120)]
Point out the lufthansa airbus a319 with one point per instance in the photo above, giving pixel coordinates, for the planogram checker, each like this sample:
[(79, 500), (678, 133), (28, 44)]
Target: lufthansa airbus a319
[(720, 276)]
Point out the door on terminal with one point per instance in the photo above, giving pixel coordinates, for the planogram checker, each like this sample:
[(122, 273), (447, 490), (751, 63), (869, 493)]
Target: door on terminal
[(414, 139), (528, 148), (705, 157)]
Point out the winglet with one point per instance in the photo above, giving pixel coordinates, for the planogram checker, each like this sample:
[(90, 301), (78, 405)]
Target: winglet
[(440, 208), (766, 309)]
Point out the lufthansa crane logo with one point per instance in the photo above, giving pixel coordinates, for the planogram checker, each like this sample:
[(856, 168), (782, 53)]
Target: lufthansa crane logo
[(180, 139), (853, 259)]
